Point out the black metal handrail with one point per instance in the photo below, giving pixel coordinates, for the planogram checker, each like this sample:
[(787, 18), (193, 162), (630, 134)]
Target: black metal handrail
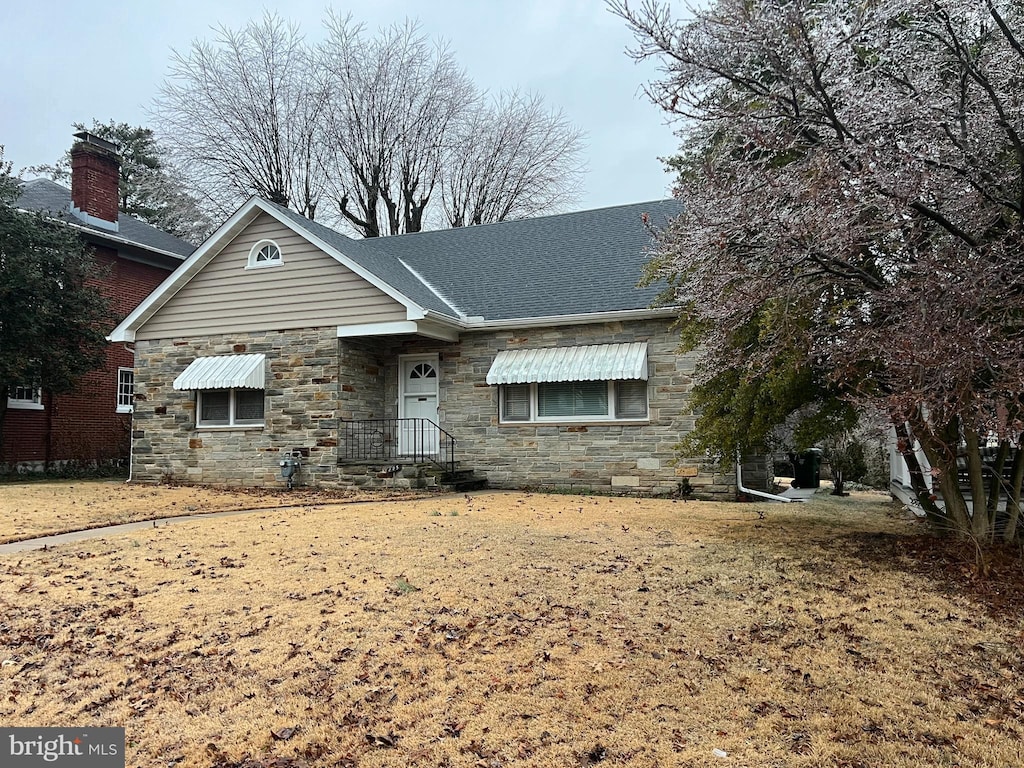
[(388, 440)]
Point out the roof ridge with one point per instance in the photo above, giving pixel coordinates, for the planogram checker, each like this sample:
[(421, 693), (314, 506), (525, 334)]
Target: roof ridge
[(43, 179), (530, 219)]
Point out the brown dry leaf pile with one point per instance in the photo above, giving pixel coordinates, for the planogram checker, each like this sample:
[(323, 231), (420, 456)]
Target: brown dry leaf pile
[(505, 629), (29, 510)]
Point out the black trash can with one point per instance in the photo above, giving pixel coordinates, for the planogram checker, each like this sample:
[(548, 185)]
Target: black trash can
[(807, 469)]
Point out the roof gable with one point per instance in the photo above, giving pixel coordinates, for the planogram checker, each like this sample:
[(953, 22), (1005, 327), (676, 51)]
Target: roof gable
[(304, 288)]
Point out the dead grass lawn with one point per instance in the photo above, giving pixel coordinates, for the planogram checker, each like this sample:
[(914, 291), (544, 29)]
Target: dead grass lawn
[(519, 630), (33, 509)]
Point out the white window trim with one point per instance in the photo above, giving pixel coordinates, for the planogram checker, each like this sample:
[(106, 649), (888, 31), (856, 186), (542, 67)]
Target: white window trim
[(27, 405), (253, 264), (232, 423), (122, 407), (610, 418)]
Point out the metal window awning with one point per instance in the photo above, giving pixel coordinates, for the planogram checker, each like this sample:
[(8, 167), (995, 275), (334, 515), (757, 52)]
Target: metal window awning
[(596, 362), (223, 372)]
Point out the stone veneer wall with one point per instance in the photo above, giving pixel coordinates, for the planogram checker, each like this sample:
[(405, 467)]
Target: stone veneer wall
[(316, 381), (604, 457), (301, 412), (362, 374)]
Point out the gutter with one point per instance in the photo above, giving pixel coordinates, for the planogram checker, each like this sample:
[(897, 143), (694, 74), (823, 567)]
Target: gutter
[(479, 324), (743, 489)]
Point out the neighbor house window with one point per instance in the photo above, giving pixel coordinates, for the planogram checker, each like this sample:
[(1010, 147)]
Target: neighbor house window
[(229, 407), (574, 401), (266, 253), (25, 397), (125, 390)]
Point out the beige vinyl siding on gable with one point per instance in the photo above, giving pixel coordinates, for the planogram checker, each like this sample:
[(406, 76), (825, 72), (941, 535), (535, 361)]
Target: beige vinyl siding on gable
[(310, 289)]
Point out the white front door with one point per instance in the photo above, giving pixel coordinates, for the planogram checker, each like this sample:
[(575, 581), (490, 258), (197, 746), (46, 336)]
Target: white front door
[(417, 399)]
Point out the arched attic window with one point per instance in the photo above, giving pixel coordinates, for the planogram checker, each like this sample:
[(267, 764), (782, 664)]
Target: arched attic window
[(266, 253)]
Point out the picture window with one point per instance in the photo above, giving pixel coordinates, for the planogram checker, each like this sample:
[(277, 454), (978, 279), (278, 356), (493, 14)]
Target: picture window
[(574, 401)]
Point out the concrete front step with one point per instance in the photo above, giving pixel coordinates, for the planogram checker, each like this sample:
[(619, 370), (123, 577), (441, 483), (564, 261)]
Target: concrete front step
[(408, 475)]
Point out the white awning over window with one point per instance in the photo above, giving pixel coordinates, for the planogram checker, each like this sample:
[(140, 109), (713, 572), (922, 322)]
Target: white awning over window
[(597, 362), (223, 372)]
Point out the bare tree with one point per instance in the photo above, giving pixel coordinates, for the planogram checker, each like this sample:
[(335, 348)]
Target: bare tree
[(242, 116), (512, 158), (395, 97), (383, 126)]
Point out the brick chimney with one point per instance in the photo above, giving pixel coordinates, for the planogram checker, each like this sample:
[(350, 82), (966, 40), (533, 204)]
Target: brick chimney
[(95, 173)]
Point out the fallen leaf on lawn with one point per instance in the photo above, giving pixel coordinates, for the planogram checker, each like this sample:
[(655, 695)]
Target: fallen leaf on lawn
[(382, 740)]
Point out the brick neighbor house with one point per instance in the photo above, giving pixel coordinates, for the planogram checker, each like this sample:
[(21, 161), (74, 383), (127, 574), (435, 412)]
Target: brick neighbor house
[(93, 423), (520, 353)]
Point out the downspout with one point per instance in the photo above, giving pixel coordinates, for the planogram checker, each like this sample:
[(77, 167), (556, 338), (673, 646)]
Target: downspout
[(131, 443), (131, 418), (743, 489), (48, 443)]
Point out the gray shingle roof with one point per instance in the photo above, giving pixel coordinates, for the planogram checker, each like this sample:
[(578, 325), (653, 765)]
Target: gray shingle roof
[(46, 195), (574, 263)]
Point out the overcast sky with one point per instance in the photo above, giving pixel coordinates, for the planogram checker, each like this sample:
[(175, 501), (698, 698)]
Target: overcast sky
[(66, 61)]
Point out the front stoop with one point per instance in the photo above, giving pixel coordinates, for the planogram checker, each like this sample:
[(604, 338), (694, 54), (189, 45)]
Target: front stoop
[(362, 474)]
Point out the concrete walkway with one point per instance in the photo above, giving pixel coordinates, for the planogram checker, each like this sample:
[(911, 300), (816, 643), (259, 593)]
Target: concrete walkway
[(45, 542)]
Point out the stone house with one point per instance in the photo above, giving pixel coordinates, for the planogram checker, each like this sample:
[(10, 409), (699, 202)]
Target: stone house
[(522, 351), (90, 425)]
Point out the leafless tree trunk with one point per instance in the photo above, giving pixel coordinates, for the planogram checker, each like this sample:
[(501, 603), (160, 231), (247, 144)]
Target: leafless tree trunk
[(394, 99)]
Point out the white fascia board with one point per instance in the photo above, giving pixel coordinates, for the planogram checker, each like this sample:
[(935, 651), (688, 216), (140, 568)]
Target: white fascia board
[(174, 282), (376, 329)]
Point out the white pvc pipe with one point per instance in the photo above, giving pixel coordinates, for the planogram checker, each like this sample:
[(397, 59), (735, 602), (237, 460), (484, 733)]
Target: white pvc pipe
[(743, 489)]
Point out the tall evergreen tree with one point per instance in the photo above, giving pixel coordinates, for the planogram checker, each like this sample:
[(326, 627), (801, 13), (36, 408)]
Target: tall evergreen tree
[(52, 317)]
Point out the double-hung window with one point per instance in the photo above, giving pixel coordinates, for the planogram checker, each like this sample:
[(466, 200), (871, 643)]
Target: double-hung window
[(229, 407), (125, 390)]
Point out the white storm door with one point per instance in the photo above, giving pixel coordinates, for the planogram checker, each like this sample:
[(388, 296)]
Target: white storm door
[(417, 399)]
